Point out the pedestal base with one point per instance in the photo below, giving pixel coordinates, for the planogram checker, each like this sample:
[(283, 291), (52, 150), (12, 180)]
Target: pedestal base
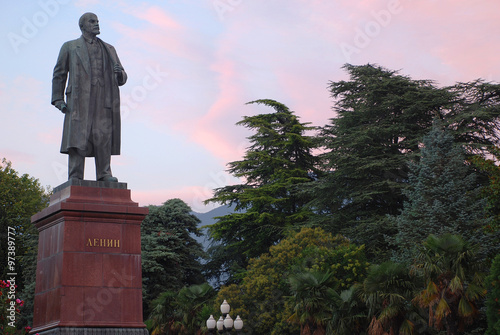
[(94, 331), (89, 277)]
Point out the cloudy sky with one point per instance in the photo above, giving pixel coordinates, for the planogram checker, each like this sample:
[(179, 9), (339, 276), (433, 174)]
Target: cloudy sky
[(192, 66)]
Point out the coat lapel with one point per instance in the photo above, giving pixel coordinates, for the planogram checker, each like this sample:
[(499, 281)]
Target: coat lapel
[(105, 52), (83, 53)]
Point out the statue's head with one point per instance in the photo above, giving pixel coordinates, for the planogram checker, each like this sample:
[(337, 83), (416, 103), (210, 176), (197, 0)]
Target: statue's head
[(89, 24)]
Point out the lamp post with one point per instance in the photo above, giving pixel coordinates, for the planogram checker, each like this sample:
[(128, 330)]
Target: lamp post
[(225, 323)]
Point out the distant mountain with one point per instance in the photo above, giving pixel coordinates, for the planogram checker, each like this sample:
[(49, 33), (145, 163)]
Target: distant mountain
[(207, 219)]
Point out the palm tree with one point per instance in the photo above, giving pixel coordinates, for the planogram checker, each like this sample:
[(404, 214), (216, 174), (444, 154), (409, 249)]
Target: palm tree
[(191, 301), (387, 291), (180, 313), (453, 282), (162, 319), (348, 317), (312, 295)]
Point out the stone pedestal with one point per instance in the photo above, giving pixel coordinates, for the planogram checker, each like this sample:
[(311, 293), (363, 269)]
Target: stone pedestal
[(88, 277)]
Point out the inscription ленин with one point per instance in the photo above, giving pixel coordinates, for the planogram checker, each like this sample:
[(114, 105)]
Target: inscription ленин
[(103, 242)]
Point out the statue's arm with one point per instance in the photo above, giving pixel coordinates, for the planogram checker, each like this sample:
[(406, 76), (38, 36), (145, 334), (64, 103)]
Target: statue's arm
[(59, 77), (120, 74)]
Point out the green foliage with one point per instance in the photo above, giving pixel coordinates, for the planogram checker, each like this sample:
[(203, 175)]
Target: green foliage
[(267, 204), (182, 312), (381, 118), (319, 309), (387, 291), (170, 254), (443, 197), (493, 298), (162, 318), (491, 192), (312, 294), (349, 313), (20, 198), (388, 177), (473, 116), (454, 283), (192, 301), (261, 297), (236, 300)]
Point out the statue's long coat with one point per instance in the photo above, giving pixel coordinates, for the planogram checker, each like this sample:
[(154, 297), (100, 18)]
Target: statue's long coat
[(74, 58)]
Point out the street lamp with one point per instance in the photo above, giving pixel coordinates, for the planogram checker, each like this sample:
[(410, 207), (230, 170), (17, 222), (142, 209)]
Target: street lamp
[(225, 323), (211, 323), (238, 324)]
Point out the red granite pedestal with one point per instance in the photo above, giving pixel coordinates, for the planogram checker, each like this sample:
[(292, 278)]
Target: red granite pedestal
[(89, 261)]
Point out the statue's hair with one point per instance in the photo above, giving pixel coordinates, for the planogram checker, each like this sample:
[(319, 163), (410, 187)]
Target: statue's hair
[(82, 19)]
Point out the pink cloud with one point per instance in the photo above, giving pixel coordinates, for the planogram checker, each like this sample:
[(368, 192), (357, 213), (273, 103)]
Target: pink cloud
[(162, 33), (257, 50), (17, 158), (156, 39), (193, 196), (457, 37), (52, 136), (292, 57), (248, 61), (213, 129), (158, 17), (253, 62), (447, 41)]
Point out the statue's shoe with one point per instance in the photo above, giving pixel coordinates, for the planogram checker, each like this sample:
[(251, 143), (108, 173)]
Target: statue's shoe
[(110, 179)]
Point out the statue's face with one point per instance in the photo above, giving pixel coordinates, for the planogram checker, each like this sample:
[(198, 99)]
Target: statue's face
[(91, 25)]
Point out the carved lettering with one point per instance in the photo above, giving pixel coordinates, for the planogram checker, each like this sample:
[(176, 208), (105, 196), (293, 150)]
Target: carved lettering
[(103, 242)]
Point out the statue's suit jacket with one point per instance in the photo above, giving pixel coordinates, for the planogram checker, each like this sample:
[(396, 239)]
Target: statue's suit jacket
[(74, 59)]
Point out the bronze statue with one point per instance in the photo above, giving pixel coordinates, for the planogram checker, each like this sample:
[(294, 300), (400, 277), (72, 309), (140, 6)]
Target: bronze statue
[(92, 106)]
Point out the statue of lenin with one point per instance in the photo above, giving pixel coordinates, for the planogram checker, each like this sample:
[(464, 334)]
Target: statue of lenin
[(92, 104)]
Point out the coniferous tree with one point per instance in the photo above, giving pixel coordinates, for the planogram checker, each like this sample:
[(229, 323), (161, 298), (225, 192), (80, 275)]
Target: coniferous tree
[(491, 191), (267, 203), (444, 196), (474, 116), (381, 118), (170, 254)]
